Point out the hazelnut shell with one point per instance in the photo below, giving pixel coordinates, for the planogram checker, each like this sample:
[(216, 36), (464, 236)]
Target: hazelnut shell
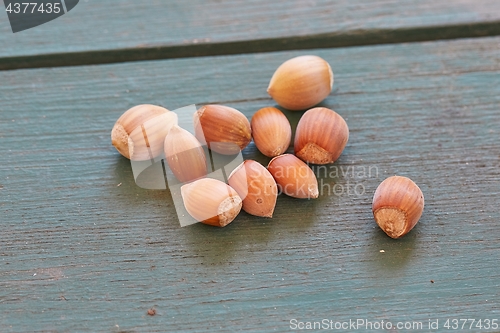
[(256, 186), (211, 201), (184, 155), (271, 131), (397, 206), (140, 132), (321, 136), (302, 82), (294, 177), (223, 129)]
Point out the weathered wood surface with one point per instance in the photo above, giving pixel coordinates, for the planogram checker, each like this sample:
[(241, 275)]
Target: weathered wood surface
[(83, 248), (113, 31)]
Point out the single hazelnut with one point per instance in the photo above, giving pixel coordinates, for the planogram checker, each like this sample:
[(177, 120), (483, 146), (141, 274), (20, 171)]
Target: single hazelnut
[(211, 201), (223, 129), (301, 82), (140, 132), (256, 186), (185, 155), (294, 177), (321, 136), (271, 131), (397, 206)]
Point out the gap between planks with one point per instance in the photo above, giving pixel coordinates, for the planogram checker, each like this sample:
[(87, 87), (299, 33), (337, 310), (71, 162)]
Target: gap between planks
[(315, 41)]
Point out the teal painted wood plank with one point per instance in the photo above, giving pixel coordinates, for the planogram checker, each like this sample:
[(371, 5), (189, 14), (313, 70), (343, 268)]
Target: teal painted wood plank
[(84, 249), (129, 30)]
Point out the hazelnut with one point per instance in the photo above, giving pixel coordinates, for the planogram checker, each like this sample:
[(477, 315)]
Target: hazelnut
[(294, 177), (397, 206), (223, 129), (301, 82), (184, 155), (211, 201), (271, 131), (140, 132), (321, 136), (256, 186)]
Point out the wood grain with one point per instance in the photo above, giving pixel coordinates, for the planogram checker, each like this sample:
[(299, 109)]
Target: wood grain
[(114, 31), (84, 249)]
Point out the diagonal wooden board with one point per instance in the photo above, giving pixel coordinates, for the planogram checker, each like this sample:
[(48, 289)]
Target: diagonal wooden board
[(84, 249), (112, 31)]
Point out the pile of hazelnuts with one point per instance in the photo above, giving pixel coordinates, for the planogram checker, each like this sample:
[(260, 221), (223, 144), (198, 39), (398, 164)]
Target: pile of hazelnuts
[(145, 132)]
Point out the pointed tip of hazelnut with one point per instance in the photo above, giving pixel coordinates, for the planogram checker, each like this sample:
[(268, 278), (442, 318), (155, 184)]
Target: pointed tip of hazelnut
[(263, 209), (331, 75), (278, 151), (200, 111), (175, 129), (313, 192), (392, 221)]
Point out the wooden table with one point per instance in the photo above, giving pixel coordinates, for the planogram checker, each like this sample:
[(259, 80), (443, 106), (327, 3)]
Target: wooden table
[(84, 249)]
